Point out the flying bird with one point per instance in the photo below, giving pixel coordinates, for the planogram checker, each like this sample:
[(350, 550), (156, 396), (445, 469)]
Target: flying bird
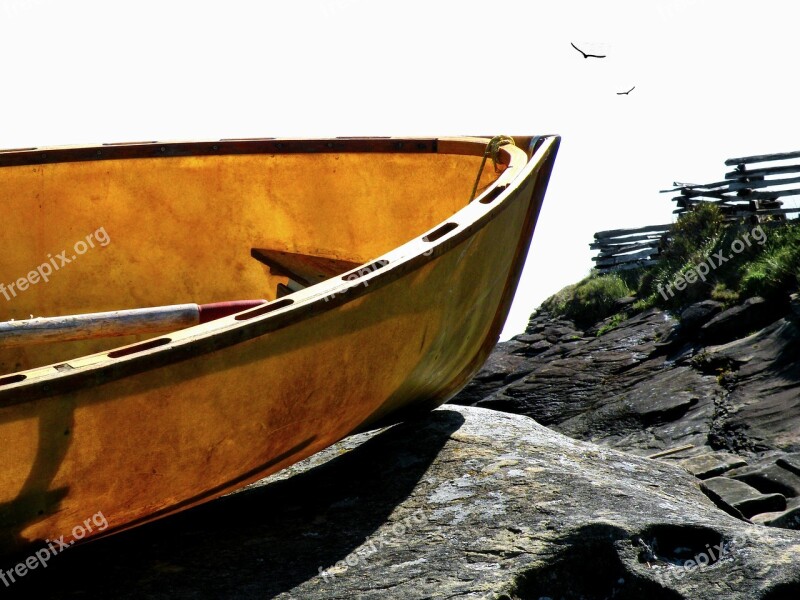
[(587, 55), (626, 93)]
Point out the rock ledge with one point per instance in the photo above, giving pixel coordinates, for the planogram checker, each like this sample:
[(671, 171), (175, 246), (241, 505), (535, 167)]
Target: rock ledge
[(462, 503)]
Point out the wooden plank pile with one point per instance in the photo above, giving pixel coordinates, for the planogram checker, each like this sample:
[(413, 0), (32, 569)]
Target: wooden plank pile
[(622, 249), (747, 193)]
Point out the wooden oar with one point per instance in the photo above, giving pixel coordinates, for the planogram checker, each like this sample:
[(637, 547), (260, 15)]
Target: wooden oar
[(137, 321)]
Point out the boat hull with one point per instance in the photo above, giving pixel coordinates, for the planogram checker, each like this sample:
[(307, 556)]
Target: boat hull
[(177, 425)]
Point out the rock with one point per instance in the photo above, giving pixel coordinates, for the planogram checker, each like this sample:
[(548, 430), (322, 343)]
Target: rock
[(627, 390), (463, 503), (712, 464), (509, 361), (736, 497), (529, 345), (790, 462), (739, 321), (698, 314), (617, 388), (768, 517), (542, 322), (761, 410), (770, 479), (789, 519), (794, 305), (502, 367), (691, 319)]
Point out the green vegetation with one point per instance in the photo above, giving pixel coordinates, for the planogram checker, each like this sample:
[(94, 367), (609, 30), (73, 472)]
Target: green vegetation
[(777, 269), (691, 241), (740, 261), (588, 301), (613, 322)]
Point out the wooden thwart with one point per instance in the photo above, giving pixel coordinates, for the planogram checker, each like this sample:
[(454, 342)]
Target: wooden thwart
[(305, 269)]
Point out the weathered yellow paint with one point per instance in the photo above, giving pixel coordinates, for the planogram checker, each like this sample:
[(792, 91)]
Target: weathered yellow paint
[(180, 229), (146, 444)]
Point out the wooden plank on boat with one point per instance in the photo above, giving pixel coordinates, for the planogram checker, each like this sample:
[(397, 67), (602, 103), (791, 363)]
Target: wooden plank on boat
[(155, 149), (302, 268)]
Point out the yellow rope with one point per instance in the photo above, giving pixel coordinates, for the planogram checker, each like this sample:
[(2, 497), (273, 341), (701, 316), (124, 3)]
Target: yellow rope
[(492, 148)]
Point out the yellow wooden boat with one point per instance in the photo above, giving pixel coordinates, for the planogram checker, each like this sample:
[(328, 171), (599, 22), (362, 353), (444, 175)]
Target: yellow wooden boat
[(385, 284)]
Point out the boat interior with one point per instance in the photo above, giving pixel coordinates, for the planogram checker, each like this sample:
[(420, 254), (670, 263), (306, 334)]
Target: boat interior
[(85, 236)]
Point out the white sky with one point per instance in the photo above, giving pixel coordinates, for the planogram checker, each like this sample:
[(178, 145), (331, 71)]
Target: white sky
[(713, 80)]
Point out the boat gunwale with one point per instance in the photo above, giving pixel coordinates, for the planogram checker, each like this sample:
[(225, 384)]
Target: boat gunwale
[(46, 155), (45, 381)]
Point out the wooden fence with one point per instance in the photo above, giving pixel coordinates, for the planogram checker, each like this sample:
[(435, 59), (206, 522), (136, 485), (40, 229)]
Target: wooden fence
[(622, 249), (747, 193)]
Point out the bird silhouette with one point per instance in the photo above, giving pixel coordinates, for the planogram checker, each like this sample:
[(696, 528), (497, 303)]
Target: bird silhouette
[(625, 93), (587, 55)]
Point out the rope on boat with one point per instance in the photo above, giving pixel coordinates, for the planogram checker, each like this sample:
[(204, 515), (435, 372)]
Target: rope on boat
[(492, 149)]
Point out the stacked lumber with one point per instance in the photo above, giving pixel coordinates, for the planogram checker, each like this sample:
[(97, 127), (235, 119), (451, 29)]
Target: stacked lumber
[(622, 249), (747, 192)]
